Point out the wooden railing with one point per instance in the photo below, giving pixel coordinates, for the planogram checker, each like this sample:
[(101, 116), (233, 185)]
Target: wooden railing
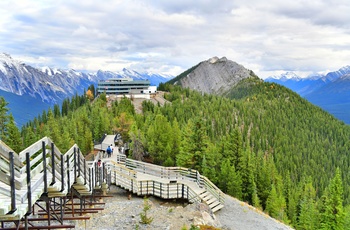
[(172, 174), (39, 169), (127, 179), (176, 173)]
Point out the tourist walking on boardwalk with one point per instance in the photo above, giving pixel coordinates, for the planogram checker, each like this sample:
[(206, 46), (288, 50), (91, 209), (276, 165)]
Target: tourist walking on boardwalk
[(109, 151), (112, 149)]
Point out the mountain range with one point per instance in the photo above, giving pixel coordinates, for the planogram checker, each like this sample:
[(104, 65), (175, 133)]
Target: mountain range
[(29, 90), (331, 91)]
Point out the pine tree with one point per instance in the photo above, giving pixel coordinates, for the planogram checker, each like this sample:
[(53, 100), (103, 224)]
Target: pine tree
[(248, 179), (52, 129), (234, 184), (272, 207), (3, 117), (276, 203), (255, 199), (193, 146), (159, 138), (123, 124), (347, 218), (332, 212), (28, 136), (56, 111), (12, 135), (308, 218), (223, 176), (210, 163)]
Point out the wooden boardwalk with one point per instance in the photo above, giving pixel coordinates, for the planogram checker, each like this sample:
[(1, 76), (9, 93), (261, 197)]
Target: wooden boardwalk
[(42, 175)]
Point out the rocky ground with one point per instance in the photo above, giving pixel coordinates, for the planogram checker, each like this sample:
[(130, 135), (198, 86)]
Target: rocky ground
[(121, 213)]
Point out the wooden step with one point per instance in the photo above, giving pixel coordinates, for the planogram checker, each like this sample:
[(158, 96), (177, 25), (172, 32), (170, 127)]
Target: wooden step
[(217, 208), (211, 201), (17, 215), (206, 196)]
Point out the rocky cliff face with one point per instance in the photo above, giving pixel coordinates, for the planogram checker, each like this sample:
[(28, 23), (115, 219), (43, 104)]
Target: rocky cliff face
[(215, 76)]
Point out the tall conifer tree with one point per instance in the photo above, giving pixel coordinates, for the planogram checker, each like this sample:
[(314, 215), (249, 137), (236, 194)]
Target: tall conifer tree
[(332, 213)]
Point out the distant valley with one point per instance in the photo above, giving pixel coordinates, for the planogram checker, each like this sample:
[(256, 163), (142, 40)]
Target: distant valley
[(331, 92), (30, 90)]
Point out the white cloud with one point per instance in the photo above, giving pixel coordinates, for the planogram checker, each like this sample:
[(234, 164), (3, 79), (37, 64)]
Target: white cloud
[(171, 36)]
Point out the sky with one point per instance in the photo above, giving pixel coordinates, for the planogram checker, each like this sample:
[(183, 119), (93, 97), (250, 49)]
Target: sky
[(170, 36)]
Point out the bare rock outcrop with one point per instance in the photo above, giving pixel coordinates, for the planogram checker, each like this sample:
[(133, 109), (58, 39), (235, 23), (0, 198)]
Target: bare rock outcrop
[(215, 76)]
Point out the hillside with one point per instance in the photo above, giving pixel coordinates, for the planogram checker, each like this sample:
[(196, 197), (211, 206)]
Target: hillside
[(275, 122), (329, 91)]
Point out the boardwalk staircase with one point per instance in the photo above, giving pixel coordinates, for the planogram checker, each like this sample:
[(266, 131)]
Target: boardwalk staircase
[(42, 188)]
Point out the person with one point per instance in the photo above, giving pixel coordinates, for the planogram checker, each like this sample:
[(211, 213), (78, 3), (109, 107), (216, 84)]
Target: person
[(112, 149), (109, 151), (99, 163)]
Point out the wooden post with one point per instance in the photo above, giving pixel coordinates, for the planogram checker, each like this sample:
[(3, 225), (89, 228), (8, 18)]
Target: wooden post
[(53, 181), (62, 174), (93, 181), (68, 175), (78, 162), (183, 191), (160, 191), (96, 174), (90, 178), (141, 188), (85, 177), (75, 165), (147, 188), (45, 168), (12, 183), (29, 185)]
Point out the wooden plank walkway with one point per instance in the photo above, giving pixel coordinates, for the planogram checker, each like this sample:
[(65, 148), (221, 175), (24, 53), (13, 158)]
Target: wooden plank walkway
[(42, 170), (166, 182)]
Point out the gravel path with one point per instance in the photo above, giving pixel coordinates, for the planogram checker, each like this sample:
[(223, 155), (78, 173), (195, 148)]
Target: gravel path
[(239, 215), (121, 213)]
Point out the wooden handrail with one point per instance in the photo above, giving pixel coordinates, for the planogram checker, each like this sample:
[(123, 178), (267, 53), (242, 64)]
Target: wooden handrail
[(58, 170), (175, 173)]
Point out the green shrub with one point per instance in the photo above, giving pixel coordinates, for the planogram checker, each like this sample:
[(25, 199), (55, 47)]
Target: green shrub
[(145, 219)]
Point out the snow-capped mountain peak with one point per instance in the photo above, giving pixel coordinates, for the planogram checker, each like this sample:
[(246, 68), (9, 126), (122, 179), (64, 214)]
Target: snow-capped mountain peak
[(286, 76), (7, 61), (52, 85)]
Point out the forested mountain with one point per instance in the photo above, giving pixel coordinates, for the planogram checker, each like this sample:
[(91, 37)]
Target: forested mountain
[(334, 98), (330, 91), (260, 142)]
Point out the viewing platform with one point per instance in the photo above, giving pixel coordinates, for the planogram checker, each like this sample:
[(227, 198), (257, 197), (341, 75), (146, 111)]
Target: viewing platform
[(42, 184)]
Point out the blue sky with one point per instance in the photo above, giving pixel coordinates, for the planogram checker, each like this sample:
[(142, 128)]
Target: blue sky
[(268, 37)]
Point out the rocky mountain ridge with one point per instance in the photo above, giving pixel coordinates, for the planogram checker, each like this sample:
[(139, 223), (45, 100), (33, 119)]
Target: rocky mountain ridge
[(215, 76), (48, 85)]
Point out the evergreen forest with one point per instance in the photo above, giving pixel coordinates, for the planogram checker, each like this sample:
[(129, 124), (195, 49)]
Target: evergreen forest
[(260, 143)]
